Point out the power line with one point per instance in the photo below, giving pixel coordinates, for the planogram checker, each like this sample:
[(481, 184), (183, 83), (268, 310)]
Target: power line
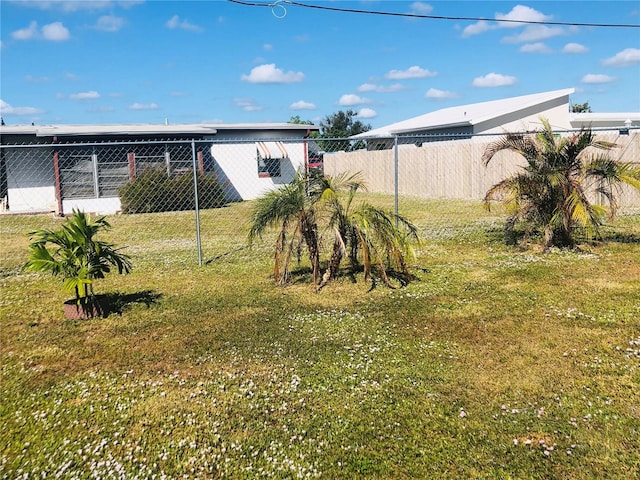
[(281, 5)]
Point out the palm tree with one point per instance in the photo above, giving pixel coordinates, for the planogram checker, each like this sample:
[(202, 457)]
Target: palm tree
[(76, 255), (293, 210), (371, 236), (552, 192)]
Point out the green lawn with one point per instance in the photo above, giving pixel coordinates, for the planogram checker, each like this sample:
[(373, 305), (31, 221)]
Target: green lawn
[(496, 362)]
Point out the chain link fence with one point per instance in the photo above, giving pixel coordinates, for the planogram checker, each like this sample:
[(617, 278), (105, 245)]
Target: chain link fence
[(194, 196)]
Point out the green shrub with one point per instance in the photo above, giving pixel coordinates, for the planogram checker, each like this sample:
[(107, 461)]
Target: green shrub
[(154, 191)]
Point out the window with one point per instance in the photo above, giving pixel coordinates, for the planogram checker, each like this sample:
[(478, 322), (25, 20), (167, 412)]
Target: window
[(97, 172), (269, 156), (268, 167), (77, 173)]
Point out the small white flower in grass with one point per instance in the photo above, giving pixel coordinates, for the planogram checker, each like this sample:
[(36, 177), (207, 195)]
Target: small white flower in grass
[(462, 413)]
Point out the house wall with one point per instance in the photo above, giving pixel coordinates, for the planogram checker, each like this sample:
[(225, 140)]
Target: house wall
[(236, 165), (101, 206), (453, 169), (528, 119)]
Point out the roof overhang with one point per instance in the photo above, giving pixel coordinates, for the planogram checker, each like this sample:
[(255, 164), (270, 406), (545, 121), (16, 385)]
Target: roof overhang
[(428, 128), (121, 130)]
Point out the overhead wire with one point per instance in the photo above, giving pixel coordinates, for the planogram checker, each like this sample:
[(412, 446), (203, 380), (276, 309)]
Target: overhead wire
[(281, 5)]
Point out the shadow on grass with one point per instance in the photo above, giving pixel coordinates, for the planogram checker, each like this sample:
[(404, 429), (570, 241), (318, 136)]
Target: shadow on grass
[(622, 238), (118, 302), (303, 275)]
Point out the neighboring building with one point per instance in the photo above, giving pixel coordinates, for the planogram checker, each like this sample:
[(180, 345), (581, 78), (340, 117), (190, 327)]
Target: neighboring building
[(439, 154), (595, 121), (515, 114), (58, 168)]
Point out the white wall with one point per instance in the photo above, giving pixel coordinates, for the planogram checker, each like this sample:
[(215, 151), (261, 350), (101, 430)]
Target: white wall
[(32, 199), (527, 120), (237, 164), (99, 206)]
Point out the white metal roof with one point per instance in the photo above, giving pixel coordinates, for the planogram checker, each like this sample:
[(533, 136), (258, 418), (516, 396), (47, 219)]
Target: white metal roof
[(605, 119), (144, 129), (466, 115)]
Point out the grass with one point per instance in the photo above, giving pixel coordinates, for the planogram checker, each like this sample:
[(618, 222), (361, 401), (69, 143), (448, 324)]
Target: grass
[(495, 363)]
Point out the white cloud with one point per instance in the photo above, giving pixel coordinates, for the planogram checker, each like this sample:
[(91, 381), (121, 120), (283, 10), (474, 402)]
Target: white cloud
[(351, 99), (247, 104), (26, 33), (368, 87), (421, 8), (411, 72), (90, 95), (267, 47), (53, 31), (521, 13), (178, 94), (367, 113), (7, 110), (372, 87), (537, 47), (476, 28), (32, 79), (574, 48), (268, 73), (143, 106), (109, 23), (494, 80), (175, 23), (56, 32), (440, 94), (625, 58), (103, 109), (302, 105), (534, 33), (595, 78)]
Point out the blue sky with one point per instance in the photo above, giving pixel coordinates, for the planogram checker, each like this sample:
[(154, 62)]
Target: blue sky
[(109, 61)]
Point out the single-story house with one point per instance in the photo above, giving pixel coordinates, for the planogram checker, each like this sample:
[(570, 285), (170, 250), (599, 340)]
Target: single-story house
[(56, 168), (514, 114)]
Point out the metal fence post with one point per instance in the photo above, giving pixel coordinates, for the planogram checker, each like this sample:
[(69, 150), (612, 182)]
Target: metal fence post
[(195, 198), (396, 176)]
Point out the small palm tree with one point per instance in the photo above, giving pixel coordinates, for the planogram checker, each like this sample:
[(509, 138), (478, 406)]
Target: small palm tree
[(371, 236), (552, 192), (76, 255), (293, 210)]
